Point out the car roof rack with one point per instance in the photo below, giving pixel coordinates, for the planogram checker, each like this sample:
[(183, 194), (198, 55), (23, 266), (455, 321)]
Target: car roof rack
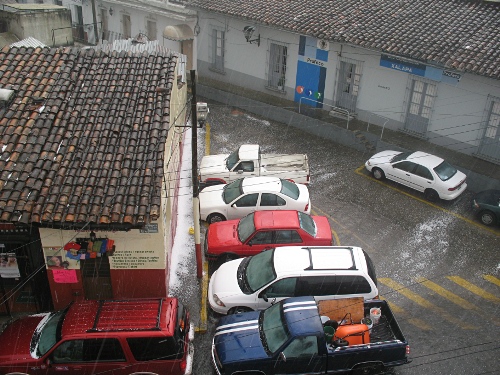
[(128, 315)]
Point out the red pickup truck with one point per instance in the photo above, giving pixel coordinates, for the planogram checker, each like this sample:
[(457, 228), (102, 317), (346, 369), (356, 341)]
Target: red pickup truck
[(263, 230)]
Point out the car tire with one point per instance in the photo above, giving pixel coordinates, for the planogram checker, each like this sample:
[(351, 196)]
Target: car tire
[(238, 310), (378, 174), (487, 217), (215, 218), (368, 369), (431, 195)]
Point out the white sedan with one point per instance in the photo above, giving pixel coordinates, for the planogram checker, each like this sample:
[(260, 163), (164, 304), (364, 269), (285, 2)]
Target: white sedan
[(249, 194), (418, 170)]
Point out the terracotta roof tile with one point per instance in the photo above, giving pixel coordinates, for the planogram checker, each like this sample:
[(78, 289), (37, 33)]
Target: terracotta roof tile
[(74, 147), (458, 34)]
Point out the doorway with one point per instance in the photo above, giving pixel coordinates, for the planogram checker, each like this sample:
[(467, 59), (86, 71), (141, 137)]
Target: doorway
[(96, 278)]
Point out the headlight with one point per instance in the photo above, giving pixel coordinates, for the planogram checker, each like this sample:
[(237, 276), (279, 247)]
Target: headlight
[(218, 301)]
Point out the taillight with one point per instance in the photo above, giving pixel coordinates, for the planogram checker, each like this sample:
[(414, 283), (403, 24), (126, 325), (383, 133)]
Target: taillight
[(376, 297), (407, 349), (307, 207), (456, 187), (183, 364), (474, 203), (308, 178)]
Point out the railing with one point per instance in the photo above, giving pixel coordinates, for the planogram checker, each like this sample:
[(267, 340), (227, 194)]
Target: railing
[(333, 108)]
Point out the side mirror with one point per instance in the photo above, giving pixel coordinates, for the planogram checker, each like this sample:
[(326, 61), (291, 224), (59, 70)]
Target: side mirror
[(264, 297), (240, 171)]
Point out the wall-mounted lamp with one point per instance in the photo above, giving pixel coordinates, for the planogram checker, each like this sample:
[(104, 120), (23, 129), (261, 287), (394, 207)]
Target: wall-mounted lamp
[(248, 32), (111, 11), (197, 29)]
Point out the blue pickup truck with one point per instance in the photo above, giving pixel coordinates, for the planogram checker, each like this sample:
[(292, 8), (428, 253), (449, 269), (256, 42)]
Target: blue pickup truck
[(290, 337)]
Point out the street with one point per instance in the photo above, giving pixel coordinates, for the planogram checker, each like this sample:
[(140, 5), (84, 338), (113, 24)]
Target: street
[(437, 266)]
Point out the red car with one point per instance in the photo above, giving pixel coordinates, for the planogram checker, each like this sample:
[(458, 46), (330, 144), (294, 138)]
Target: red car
[(262, 230), (101, 337)]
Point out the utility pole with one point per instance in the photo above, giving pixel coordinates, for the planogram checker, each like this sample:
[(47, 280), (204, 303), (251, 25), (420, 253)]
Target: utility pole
[(194, 156)]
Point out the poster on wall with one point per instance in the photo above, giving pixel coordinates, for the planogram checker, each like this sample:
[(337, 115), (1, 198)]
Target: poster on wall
[(138, 259), (9, 269), (62, 276), (59, 258)]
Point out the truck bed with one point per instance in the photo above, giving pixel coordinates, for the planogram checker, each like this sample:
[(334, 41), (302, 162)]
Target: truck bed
[(280, 162)]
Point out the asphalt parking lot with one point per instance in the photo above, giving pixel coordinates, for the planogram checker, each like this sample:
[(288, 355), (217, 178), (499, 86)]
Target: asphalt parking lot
[(437, 265)]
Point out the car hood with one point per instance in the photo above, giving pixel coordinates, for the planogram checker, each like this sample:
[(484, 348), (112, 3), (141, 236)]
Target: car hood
[(383, 157), (237, 338), (489, 197), (15, 340), (223, 236), (224, 281), (211, 164)]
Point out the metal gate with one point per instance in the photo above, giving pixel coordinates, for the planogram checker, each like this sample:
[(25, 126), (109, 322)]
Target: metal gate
[(96, 278), (422, 95)]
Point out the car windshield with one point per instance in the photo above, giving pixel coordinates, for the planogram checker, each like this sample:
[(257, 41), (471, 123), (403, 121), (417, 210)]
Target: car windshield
[(445, 171), (246, 227), (307, 223), (273, 330), (401, 156), (49, 334), (232, 191), (259, 270), (232, 159), (290, 189)]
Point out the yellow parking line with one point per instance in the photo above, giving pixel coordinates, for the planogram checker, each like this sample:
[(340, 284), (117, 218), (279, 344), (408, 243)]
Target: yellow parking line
[(492, 279), (203, 307), (474, 289), (423, 302), (447, 294), (472, 222), (419, 323)]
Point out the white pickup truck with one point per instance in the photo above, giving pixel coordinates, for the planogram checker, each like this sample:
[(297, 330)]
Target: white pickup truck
[(247, 161)]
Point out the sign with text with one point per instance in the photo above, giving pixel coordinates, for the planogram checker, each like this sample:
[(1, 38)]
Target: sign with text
[(65, 276), (137, 259)]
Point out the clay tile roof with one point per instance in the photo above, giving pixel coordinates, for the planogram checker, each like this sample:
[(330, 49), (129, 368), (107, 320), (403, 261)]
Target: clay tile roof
[(67, 155), (456, 34)]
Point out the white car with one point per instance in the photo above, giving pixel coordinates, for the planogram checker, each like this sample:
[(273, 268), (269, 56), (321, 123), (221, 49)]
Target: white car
[(246, 195), (325, 272), (418, 170)]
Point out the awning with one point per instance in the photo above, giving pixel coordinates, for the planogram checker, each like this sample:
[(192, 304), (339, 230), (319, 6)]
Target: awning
[(178, 32)]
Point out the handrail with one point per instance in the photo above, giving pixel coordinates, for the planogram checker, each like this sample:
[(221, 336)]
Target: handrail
[(337, 109)]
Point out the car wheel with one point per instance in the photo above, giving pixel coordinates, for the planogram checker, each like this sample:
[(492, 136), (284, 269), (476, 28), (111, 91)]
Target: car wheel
[(238, 310), (214, 218), (487, 217), (378, 173), (431, 195)]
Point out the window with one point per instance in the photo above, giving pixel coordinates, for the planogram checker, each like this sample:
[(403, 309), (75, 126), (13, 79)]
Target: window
[(249, 200), (287, 236), (277, 66), (154, 348), (352, 285), (445, 171), (282, 288), (217, 50), (290, 189), (423, 172), (333, 285), (302, 346), (407, 166), (91, 350), (245, 166), (126, 26), (269, 199), (261, 238), (307, 223), (151, 27)]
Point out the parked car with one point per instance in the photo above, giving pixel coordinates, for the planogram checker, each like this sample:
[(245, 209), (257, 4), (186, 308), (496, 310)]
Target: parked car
[(248, 161), (246, 195), (486, 204), (325, 272), (94, 337), (421, 171), (263, 230)]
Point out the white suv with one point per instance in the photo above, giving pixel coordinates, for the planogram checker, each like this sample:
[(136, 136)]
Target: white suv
[(325, 272)]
